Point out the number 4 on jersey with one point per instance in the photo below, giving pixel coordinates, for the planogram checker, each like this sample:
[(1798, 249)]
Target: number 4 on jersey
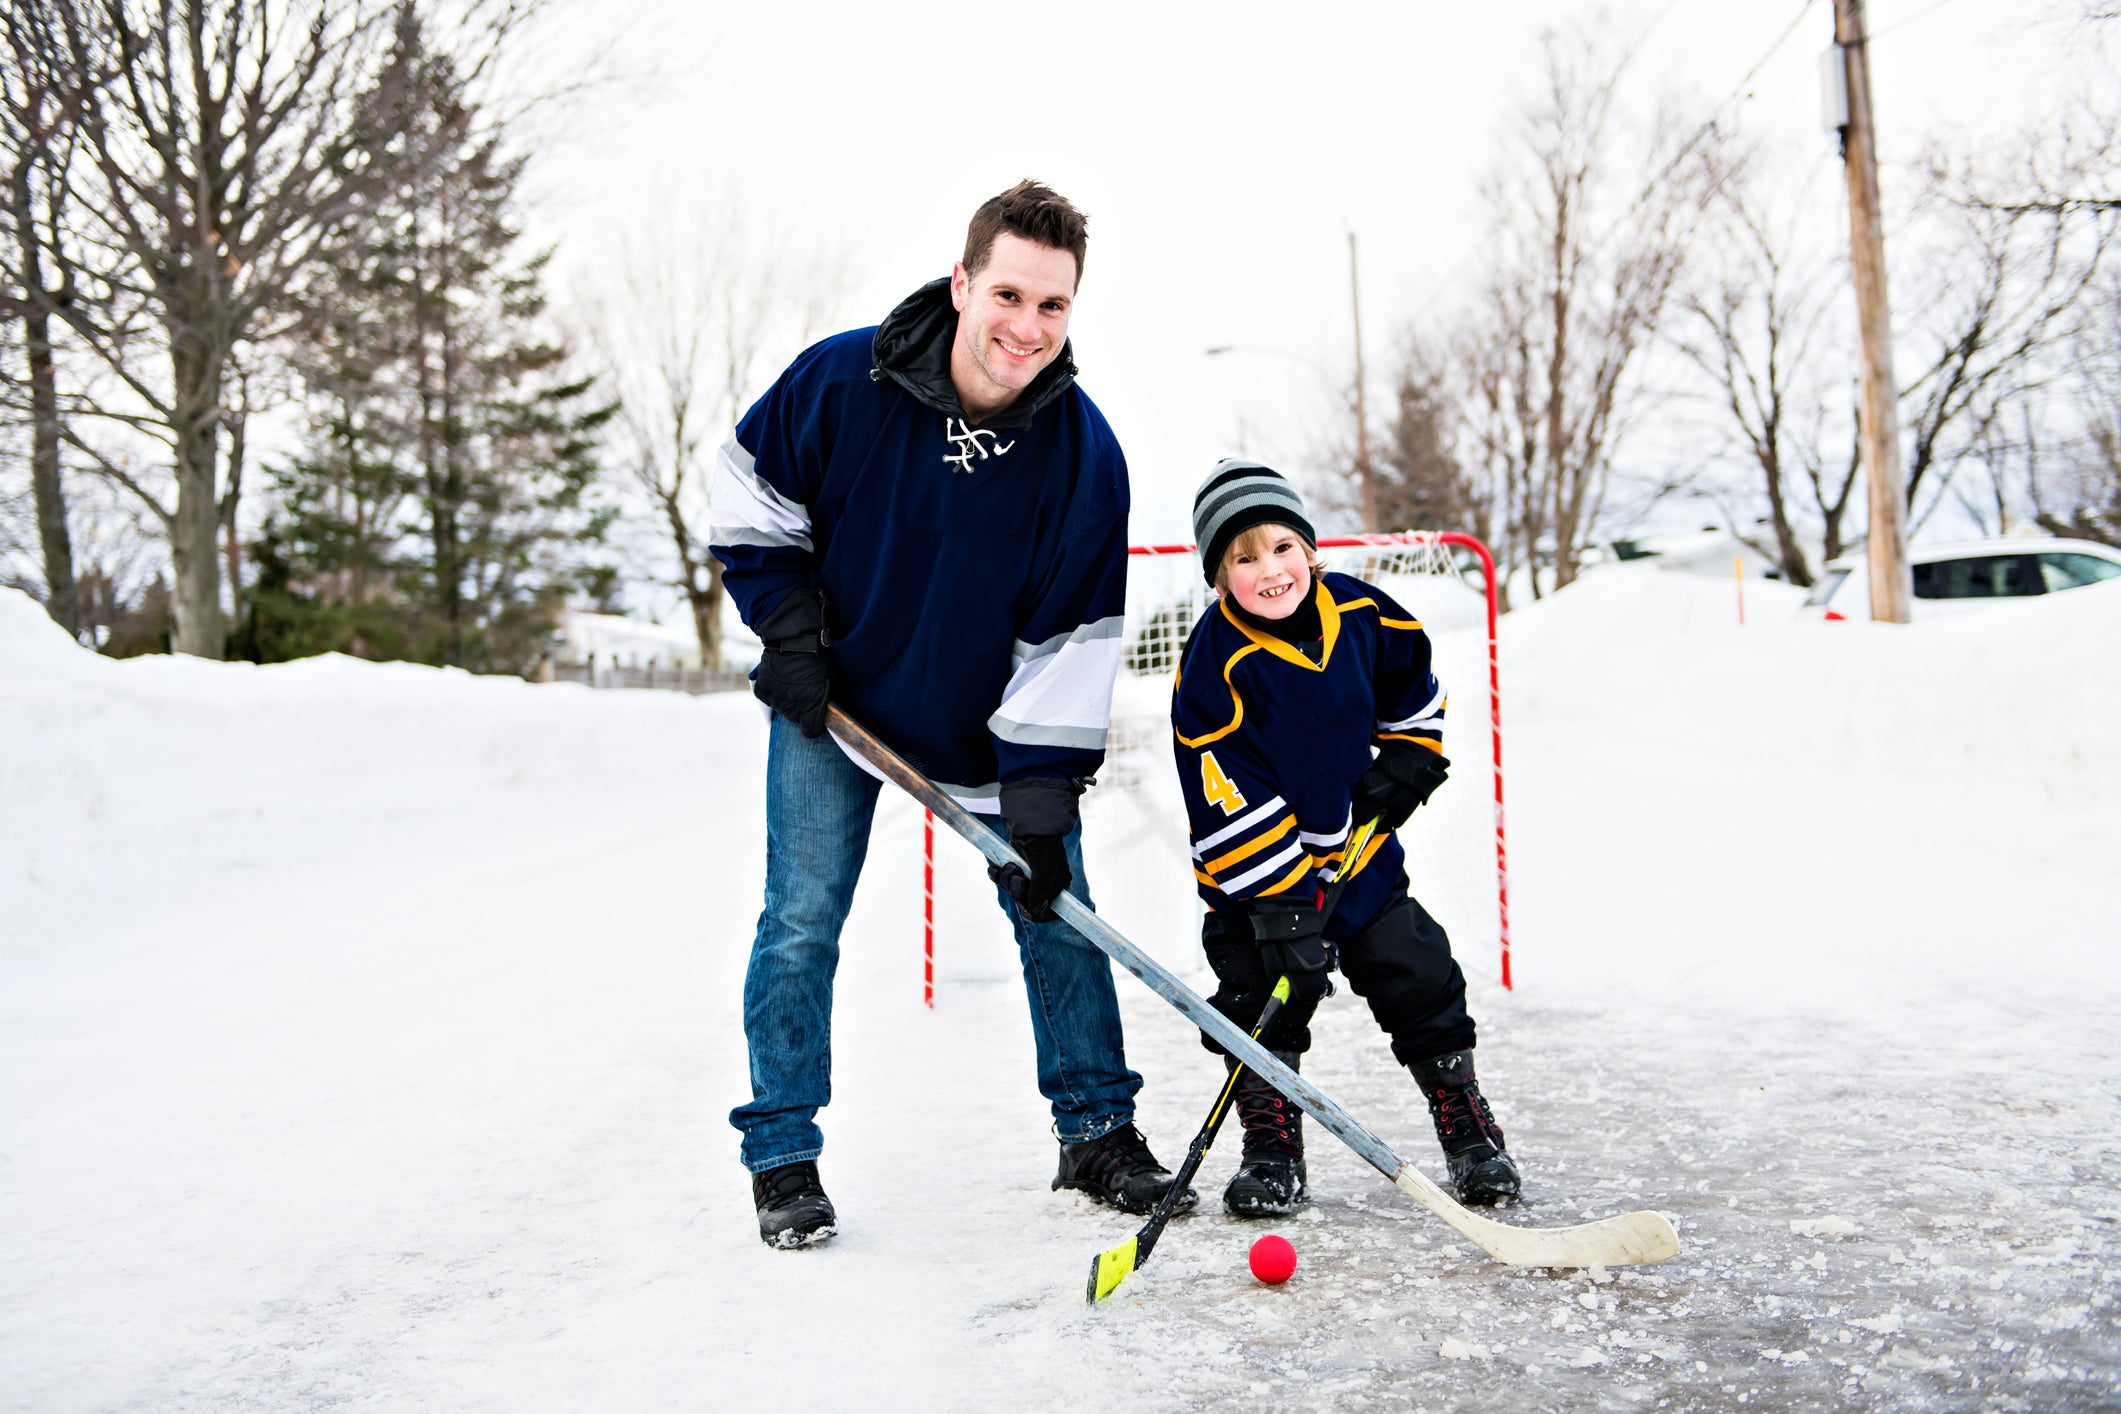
[(1217, 787)]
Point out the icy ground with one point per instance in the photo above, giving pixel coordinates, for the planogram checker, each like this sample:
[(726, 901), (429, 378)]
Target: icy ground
[(366, 1035)]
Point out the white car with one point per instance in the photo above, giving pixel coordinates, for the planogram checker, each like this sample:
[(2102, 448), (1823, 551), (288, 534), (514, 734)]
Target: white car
[(1968, 572)]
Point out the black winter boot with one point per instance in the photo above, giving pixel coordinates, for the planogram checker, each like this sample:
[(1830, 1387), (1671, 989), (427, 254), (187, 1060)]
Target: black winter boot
[(1270, 1181), (793, 1208), (1482, 1171), (1117, 1168)]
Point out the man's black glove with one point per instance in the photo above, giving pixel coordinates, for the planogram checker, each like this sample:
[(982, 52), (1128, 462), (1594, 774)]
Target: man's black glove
[(1404, 775), (1291, 936), (1040, 813), (795, 672)]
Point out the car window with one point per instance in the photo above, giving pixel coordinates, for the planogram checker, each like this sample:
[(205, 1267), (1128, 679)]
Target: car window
[(1824, 589), (2073, 571), (1980, 577)]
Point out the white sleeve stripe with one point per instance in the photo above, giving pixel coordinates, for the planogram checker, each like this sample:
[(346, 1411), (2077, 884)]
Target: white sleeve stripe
[(1274, 865), (739, 454), (1101, 628), (739, 499), (730, 535), (1337, 837), (1434, 709), (1032, 734), (1256, 816), (1070, 689)]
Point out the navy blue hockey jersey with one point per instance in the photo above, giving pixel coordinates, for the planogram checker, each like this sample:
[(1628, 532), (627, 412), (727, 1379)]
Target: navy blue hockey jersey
[(975, 577), (1269, 745)]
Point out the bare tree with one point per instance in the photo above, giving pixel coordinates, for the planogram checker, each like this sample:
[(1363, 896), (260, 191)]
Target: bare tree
[(690, 331), (2083, 497), (1761, 320), (2005, 286), (1584, 249), (226, 147), (40, 103)]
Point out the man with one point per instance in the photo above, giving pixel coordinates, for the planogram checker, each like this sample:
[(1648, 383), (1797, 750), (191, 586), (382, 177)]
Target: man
[(926, 523)]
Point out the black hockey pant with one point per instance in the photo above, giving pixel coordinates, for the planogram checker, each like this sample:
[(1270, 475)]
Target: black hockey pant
[(1399, 962)]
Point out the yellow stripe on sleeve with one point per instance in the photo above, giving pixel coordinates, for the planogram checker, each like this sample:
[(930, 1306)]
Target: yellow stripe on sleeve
[(1251, 846)]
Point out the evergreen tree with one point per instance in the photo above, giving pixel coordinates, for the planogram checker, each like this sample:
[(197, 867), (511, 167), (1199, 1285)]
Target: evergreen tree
[(444, 503)]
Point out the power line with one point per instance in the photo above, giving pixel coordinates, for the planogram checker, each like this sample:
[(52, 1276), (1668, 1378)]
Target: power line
[(1738, 91), (1716, 115)]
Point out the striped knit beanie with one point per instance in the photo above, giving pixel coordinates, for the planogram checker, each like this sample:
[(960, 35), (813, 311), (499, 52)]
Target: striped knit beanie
[(1237, 496)]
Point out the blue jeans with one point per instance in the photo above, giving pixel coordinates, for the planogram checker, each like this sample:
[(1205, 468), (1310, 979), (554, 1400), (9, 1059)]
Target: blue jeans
[(819, 806)]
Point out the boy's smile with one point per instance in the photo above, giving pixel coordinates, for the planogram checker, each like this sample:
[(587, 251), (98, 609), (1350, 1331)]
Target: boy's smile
[(1272, 585)]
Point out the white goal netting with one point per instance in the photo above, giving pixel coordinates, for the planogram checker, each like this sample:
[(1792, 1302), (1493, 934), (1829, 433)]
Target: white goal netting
[(1134, 821)]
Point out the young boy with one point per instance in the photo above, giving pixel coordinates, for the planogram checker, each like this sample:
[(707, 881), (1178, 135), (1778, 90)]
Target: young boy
[(1284, 687)]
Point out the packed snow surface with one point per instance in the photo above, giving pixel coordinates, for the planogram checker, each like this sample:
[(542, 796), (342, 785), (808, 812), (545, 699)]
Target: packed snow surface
[(367, 1035)]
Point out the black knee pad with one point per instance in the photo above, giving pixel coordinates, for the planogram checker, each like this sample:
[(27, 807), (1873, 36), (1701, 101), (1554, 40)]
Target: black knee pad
[(1242, 987), (1401, 964)]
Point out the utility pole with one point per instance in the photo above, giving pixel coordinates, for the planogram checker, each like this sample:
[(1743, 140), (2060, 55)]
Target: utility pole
[(1363, 473), (1890, 585)]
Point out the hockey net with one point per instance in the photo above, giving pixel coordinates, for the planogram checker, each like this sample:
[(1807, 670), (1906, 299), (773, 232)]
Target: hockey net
[(1135, 844)]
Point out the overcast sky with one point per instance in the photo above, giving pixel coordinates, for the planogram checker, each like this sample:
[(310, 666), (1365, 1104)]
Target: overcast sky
[(1222, 154)]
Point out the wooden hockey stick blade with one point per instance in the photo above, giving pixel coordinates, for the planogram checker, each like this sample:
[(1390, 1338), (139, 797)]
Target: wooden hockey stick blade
[(1631, 1239), (1494, 1238)]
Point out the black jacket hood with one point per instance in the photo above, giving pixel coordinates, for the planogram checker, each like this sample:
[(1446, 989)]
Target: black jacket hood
[(912, 349)]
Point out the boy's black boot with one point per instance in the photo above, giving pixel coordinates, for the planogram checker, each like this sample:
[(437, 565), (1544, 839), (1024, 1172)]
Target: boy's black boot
[(1117, 1168), (1270, 1181), (793, 1208), (1482, 1171)]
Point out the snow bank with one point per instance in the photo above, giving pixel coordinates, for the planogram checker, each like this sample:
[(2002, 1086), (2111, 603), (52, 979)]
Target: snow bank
[(366, 1033), (153, 780), (2018, 698)]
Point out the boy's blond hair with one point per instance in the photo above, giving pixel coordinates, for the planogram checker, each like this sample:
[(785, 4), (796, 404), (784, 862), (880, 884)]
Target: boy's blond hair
[(1256, 541)]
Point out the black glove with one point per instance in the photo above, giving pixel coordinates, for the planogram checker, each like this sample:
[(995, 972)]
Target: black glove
[(1041, 813), (1404, 775), (1291, 936), (795, 672)]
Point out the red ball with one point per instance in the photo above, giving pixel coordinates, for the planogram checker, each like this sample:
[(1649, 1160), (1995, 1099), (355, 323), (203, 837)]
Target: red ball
[(1273, 1259)]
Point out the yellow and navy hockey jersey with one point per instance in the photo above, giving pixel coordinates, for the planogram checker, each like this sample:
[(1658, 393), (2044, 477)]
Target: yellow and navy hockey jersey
[(1269, 745)]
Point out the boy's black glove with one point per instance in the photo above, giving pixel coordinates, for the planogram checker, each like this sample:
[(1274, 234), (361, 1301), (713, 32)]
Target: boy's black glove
[(795, 671), (1404, 775), (1040, 813), (1291, 936)]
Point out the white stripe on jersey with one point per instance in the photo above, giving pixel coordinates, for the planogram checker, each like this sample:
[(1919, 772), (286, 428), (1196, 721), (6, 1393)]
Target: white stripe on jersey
[(1061, 691), (1255, 816), (745, 510), (1421, 718), (1274, 865)]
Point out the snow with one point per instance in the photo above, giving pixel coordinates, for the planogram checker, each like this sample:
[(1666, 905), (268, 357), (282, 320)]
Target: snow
[(367, 1033)]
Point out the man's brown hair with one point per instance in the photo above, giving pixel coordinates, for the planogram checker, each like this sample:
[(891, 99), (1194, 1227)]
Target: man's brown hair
[(1031, 211)]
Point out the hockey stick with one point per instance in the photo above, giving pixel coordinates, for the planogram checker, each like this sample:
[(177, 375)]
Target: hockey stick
[(1625, 1240), (1113, 1265)]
